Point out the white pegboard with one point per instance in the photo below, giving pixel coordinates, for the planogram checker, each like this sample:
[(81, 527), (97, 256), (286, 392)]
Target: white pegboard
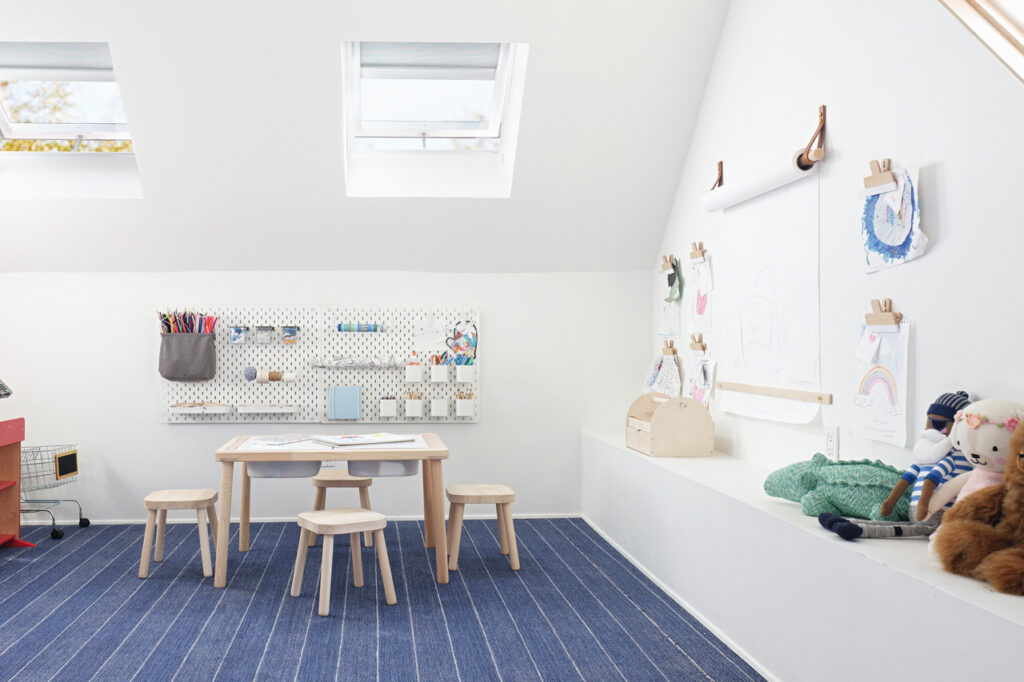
[(398, 339), (318, 337)]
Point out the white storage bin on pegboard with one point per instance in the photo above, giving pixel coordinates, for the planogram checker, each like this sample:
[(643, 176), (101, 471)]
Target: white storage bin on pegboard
[(389, 407), (413, 374), (439, 407), (414, 407), (464, 407), (438, 373), (465, 374)]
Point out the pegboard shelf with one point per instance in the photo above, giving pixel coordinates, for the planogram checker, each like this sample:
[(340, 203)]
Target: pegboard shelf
[(205, 409), (320, 340), (267, 409)]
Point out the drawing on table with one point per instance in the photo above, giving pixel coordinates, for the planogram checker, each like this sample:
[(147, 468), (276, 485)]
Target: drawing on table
[(891, 224)]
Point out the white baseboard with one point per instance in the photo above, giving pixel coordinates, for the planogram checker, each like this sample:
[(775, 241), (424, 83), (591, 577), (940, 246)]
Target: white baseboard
[(281, 519), (739, 651)]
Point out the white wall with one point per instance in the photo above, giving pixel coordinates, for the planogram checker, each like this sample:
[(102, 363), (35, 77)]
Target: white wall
[(903, 80), (80, 352)]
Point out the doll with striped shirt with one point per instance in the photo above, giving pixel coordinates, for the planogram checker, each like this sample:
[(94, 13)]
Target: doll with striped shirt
[(936, 461)]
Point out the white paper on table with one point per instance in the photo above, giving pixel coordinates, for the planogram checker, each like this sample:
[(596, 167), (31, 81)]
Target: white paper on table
[(767, 272), (880, 403), (890, 224), (256, 443)]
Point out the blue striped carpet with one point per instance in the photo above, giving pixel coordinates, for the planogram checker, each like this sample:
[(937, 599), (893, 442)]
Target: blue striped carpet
[(74, 610)]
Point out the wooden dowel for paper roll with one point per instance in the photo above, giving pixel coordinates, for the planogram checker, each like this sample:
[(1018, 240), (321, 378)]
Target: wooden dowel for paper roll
[(775, 392)]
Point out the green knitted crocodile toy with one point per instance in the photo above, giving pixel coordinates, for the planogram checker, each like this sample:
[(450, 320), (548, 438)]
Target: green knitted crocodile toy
[(847, 488)]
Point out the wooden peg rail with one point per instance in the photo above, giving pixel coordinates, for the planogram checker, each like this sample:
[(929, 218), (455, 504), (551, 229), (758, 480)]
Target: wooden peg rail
[(697, 342), (697, 251), (882, 313), (775, 392)]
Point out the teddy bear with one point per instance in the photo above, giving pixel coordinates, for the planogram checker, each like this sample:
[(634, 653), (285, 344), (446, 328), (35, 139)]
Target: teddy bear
[(936, 462), (983, 535)]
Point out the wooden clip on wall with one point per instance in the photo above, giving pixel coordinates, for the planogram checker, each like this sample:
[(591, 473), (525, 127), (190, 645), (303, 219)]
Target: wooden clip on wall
[(882, 318), (697, 342), (881, 180), (666, 262), (669, 348), (697, 251)]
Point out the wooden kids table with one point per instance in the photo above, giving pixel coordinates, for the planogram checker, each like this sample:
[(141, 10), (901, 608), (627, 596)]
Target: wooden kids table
[(433, 488)]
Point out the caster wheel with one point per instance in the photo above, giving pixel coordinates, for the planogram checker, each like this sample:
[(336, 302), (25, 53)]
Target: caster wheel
[(56, 533), (83, 523)]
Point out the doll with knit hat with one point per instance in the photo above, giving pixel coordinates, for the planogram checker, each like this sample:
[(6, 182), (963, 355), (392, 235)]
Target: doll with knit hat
[(936, 462)]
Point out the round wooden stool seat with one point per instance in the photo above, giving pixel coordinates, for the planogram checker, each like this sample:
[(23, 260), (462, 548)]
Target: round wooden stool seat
[(342, 521), (331, 522), (202, 500), (480, 493), (181, 499), (340, 479), (502, 497)]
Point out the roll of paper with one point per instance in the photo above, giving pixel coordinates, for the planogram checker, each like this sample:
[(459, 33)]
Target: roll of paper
[(773, 177)]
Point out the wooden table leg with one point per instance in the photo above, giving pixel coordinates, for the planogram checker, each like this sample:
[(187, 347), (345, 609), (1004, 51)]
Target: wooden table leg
[(437, 514), (243, 517), (220, 574), (428, 527)]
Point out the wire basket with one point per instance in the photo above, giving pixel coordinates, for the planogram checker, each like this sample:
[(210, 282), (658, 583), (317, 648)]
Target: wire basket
[(47, 466)]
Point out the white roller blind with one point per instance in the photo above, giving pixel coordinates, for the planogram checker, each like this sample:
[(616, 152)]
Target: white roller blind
[(447, 61), (64, 61)]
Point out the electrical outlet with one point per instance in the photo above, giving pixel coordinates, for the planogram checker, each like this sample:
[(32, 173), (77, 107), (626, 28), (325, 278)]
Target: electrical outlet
[(832, 443)]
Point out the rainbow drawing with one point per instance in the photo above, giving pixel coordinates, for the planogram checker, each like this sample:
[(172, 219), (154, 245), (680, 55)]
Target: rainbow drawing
[(880, 376)]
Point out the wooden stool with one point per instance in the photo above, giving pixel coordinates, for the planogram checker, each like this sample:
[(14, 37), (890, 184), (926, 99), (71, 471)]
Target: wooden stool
[(333, 522), (157, 504), (341, 479), (501, 496)]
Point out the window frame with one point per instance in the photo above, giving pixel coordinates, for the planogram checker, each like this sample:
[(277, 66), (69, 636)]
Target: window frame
[(60, 131), (352, 99)]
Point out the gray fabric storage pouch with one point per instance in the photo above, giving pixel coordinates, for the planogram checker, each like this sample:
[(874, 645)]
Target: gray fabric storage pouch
[(188, 357)]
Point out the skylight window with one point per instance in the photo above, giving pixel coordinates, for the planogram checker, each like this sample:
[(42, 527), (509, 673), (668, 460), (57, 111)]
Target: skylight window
[(429, 95), (415, 112), (60, 97)]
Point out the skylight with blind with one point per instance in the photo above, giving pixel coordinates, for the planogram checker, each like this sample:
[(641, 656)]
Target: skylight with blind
[(431, 104), (60, 97)]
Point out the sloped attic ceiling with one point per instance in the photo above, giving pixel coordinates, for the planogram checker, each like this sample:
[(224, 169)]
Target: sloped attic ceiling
[(235, 109)]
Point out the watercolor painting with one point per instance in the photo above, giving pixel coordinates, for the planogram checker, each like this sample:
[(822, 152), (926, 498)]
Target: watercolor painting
[(891, 224)]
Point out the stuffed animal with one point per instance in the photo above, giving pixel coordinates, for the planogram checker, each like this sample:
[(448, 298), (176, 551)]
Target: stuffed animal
[(849, 487), (983, 534), (935, 463), (981, 431)]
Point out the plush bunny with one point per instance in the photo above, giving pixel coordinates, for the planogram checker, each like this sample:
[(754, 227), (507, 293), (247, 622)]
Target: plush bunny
[(983, 534)]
